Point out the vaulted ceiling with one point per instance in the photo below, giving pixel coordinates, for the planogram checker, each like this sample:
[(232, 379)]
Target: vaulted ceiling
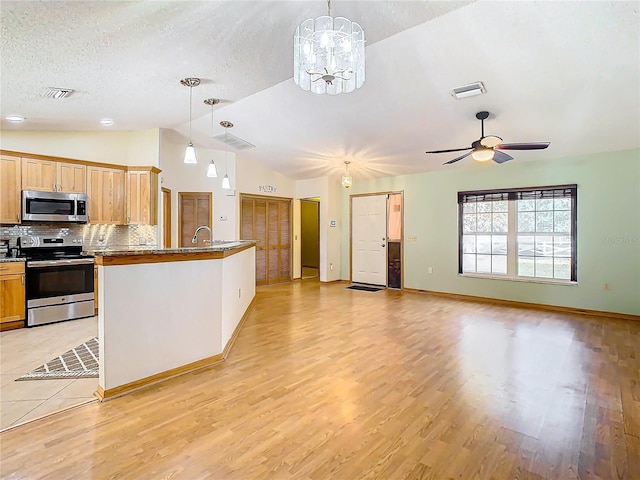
[(564, 72)]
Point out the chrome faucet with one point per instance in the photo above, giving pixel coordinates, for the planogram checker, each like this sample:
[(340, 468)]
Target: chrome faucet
[(195, 235)]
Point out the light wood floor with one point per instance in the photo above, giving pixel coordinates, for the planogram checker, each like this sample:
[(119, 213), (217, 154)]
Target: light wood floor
[(328, 383)]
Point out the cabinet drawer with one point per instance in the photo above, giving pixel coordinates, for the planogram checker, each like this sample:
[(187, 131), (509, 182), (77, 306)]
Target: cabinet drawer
[(11, 268)]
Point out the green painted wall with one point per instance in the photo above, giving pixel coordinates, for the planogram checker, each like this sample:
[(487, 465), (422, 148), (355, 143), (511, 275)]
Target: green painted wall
[(608, 228)]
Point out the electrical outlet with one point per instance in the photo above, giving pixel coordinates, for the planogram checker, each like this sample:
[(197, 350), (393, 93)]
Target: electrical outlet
[(142, 241), (239, 292), (607, 287), (430, 270), (331, 267)]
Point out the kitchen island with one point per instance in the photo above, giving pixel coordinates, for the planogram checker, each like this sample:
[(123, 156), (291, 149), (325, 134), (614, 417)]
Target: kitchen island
[(165, 312)]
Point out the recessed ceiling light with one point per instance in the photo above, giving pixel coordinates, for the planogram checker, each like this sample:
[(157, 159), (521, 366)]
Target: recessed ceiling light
[(14, 118), (106, 122), (471, 90)]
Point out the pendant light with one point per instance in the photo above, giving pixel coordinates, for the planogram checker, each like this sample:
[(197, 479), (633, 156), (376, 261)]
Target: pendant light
[(212, 172), (347, 180), (226, 184), (190, 152)]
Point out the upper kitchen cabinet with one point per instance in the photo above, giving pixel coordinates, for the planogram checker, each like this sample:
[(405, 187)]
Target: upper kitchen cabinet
[(106, 190), (142, 195), (51, 176), (10, 182)]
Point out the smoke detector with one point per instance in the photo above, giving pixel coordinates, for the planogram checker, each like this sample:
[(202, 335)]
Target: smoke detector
[(471, 90), (53, 92)]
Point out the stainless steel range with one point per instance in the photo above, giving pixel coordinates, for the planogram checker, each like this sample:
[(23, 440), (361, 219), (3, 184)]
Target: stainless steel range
[(59, 279)]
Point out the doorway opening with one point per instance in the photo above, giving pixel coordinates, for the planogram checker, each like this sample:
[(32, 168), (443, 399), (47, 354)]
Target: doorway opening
[(194, 210), (310, 238), (376, 242)]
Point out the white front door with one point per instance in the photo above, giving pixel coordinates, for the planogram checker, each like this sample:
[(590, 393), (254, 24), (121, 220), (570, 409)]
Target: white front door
[(369, 239)]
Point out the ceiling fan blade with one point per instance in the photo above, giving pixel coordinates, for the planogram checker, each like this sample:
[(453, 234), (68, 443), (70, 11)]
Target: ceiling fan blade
[(501, 157), (490, 141), (448, 151), (456, 159), (523, 146)]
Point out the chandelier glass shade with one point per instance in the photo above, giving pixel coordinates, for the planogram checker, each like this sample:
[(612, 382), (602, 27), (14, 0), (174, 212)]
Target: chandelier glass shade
[(190, 151), (328, 55)]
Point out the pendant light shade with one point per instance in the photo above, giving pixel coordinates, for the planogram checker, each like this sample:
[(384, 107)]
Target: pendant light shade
[(226, 184), (212, 172), (190, 153), (347, 180)]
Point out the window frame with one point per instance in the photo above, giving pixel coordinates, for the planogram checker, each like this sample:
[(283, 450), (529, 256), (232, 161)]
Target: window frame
[(511, 195)]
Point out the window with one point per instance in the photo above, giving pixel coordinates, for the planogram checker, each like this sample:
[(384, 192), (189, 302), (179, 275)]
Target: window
[(519, 233)]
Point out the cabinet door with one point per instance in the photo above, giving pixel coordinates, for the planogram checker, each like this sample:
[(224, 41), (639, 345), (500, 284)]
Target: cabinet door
[(10, 185), (106, 190), (12, 301), (142, 193), (38, 175), (71, 177)]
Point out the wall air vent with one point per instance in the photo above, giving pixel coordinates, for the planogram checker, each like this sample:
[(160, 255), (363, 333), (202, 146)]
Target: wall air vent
[(233, 141), (53, 92), (471, 90)]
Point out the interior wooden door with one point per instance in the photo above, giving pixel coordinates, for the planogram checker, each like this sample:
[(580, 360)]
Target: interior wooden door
[(194, 210), (268, 221), (166, 217)]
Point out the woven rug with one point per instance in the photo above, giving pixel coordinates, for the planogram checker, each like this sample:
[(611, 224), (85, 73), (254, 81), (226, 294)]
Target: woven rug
[(79, 362), (365, 288)]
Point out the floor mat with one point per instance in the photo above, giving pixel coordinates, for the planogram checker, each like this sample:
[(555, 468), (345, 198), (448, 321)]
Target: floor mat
[(79, 362), (365, 288)]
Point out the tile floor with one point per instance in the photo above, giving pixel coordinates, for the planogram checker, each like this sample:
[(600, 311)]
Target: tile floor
[(25, 349)]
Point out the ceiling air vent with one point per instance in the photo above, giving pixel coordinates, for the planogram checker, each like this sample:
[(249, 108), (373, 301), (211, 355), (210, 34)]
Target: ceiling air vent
[(471, 90), (53, 92), (233, 141)]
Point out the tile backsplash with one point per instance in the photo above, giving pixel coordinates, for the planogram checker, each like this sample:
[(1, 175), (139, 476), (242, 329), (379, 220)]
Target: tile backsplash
[(94, 236)]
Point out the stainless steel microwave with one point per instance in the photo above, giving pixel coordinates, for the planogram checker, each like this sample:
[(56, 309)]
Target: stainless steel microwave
[(54, 207)]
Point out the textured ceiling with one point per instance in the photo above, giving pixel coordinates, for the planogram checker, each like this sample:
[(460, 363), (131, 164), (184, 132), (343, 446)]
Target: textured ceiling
[(564, 72)]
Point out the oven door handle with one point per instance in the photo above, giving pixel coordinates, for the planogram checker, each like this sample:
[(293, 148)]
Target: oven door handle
[(60, 263)]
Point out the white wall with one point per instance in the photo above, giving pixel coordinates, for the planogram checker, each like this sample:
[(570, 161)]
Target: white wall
[(608, 228), (179, 177), (140, 147)]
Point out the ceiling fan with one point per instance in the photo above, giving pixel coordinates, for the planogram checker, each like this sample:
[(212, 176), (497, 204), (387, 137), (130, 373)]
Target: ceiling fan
[(489, 147)]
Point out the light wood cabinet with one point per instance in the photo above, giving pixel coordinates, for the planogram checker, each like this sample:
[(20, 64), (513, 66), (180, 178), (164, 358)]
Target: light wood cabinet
[(71, 177), (52, 176), (142, 196), (106, 190), (12, 293), (10, 184)]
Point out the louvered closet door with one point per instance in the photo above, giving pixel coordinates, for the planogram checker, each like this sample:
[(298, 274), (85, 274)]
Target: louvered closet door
[(268, 222)]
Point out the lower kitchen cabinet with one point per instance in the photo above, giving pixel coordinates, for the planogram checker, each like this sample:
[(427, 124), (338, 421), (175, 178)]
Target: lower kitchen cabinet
[(12, 295)]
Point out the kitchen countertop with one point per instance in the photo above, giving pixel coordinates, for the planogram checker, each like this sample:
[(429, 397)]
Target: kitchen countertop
[(216, 246), (11, 259), (137, 255)]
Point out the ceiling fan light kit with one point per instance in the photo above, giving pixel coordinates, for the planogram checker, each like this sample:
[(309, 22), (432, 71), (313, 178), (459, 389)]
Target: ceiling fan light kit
[(328, 55), (488, 147)]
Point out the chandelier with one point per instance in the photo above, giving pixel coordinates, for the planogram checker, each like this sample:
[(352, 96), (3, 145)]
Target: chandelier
[(328, 55), (347, 179)]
